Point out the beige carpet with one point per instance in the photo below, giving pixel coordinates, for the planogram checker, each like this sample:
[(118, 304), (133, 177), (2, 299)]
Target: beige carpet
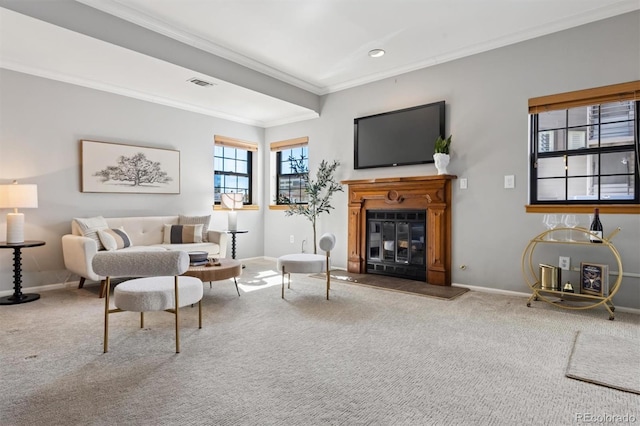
[(365, 357), (396, 284), (606, 360)]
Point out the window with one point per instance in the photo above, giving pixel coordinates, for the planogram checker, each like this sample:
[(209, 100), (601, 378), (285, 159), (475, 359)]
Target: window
[(584, 147), (232, 165), (291, 166)]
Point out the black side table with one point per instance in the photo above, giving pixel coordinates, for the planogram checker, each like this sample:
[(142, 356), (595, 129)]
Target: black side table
[(233, 241), (18, 297)]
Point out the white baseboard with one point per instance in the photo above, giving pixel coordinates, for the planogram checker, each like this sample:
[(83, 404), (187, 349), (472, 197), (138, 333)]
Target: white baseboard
[(46, 287), (74, 284), (527, 295)]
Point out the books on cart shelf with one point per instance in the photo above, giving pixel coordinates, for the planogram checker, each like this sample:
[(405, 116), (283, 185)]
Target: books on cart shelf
[(594, 279)]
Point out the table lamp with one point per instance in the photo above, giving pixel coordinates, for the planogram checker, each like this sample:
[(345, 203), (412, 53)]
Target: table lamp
[(232, 201), (16, 197)]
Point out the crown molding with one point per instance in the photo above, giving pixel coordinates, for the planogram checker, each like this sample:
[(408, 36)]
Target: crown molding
[(115, 8), (609, 11), (143, 96)]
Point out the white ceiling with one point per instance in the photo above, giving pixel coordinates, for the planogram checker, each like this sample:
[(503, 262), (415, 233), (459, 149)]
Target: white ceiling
[(316, 46)]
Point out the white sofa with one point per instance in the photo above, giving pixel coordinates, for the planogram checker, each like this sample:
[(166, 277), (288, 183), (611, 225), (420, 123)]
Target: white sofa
[(145, 233)]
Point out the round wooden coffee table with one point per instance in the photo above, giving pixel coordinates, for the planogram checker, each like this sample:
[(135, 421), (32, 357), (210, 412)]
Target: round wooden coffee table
[(229, 268)]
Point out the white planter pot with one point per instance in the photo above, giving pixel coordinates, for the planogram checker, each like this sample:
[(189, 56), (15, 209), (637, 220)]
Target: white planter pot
[(441, 161)]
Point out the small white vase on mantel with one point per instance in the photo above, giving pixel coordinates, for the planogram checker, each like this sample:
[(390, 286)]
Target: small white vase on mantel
[(441, 161)]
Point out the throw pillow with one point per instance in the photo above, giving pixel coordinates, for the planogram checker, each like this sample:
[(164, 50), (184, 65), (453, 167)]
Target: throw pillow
[(197, 220), (181, 234), (114, 239), (90, 227)]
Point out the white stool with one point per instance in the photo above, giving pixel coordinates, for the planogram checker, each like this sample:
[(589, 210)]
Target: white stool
[(308, 263), (165, 292), (156, 293)]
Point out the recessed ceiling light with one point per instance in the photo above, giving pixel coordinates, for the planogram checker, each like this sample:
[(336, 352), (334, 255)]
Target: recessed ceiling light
[(376, 53)]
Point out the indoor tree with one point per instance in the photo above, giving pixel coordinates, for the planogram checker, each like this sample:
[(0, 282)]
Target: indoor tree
[(319, 191)]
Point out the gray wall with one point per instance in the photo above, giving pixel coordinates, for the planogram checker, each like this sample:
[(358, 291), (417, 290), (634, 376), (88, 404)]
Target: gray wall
[(42, 122), (486, 97)]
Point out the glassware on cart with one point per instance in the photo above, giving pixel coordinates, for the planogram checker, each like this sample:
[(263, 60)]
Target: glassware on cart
[(551, 221), (571, 221)]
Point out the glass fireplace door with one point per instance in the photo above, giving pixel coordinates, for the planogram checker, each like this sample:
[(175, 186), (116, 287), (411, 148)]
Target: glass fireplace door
[(417, 253), (402, 240), (396, 243), (389, 241)]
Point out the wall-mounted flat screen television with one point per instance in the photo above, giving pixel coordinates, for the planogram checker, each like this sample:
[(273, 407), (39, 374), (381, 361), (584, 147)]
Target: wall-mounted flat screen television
[(398, 138)]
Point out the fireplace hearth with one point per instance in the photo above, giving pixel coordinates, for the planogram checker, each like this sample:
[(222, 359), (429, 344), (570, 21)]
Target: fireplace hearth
[(410, 195)]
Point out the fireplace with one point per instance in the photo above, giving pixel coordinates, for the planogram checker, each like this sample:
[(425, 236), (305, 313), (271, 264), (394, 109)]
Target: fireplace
[(396, 243), (402, 196)]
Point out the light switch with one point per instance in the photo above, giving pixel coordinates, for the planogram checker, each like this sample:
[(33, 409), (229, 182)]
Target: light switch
[(509, 181), (463, 183)]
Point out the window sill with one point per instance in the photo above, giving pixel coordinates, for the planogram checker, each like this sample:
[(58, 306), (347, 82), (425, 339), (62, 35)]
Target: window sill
[(281, 206), (244, 207), (584, 208)]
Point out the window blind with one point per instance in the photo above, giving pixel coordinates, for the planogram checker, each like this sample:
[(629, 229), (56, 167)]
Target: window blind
[(235, 143), (289, 143), (616, 92)]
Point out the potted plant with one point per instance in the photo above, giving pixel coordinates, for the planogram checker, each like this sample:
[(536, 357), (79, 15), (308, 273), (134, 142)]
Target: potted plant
[(319, 191), (441, 154)]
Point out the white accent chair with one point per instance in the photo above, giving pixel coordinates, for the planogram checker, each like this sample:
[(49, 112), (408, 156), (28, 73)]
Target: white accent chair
[(308, 263), (159, 289)]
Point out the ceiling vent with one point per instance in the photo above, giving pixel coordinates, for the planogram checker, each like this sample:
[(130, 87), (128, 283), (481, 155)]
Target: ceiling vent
[(200, 82)]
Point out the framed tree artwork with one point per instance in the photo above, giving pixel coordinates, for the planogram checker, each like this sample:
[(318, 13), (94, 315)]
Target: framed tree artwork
[(119, 168)]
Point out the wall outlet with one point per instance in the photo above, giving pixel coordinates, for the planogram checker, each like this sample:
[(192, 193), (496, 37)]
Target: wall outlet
[(291, 239), (564, 262)]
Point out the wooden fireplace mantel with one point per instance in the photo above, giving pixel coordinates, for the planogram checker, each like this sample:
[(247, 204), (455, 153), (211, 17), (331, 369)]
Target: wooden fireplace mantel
[(430, 193)]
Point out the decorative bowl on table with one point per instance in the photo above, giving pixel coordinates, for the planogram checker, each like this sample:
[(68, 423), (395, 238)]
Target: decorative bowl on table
[(198, 258)]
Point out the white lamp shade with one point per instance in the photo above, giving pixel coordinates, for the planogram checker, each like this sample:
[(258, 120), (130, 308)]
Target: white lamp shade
[(231, 200), (18, 196)]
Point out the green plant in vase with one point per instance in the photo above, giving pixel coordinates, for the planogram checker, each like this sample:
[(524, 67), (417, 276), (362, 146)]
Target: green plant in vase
[(441, 154)]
